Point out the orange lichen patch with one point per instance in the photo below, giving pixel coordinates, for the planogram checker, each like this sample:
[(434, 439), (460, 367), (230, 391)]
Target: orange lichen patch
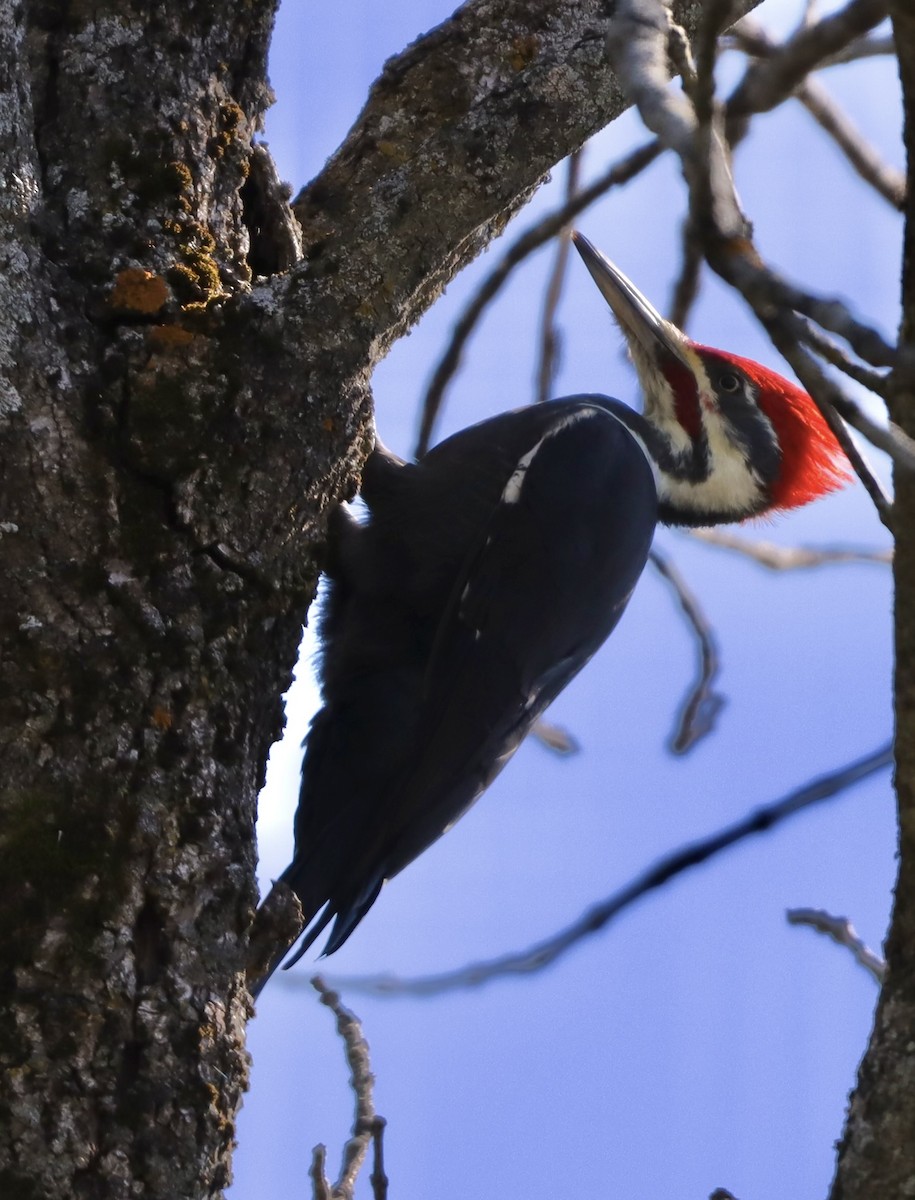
[(523, 51), (328, 424), (138, 291), (392, 151), (169, 337), (162, 718)]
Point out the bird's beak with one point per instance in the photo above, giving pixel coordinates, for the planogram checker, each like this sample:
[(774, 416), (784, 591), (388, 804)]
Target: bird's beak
[(652, 341)]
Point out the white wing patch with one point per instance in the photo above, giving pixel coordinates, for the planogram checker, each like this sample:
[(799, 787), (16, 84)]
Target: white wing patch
[(511, 494)]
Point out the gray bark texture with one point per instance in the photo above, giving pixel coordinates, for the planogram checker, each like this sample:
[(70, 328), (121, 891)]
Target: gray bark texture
[(172, 432), (877, 1152), (184, 392)]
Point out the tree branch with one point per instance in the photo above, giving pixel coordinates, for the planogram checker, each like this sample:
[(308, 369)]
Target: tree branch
[(884, 179), (841, 930), (545, 953), (531, 240), (771, 80), (368, 1127), (753, 39), (500, 93), (550, 338), (702, 704), (788, 558)]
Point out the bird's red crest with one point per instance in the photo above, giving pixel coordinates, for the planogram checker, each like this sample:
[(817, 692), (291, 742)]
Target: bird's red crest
[(813, 462)]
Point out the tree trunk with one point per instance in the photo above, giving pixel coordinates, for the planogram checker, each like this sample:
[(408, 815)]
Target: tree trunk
[(171, 434), (876, 1153)]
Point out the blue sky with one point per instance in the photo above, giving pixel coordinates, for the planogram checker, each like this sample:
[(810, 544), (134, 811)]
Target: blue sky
[(700, 1042)]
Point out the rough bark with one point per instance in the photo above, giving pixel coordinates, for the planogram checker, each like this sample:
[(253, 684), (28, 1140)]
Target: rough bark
[(170, 437), (876, 1152)]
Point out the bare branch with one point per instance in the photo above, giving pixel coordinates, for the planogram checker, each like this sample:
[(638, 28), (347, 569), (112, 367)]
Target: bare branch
[(547, 952), (620, 173), (862, 48), (549, 334), (637, 45), (494, 66), (320, 1184), (883, 178), (686, 288), (708, 137), (367, 1126), (771, 80), (768, 292), (638, 48), (886, 180), (841, 930), (748, 36), (642, 35), (555, 738), (788, 558), (875, 382), (702, 704), (378, 1178)]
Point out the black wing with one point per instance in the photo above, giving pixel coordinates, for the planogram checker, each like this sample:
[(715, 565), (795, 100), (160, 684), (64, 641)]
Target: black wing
[(487, 577)]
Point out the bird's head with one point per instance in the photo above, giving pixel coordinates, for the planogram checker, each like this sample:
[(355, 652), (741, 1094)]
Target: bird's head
[(728, 437)]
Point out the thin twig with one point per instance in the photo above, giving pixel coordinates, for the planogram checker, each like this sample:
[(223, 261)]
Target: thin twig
[(320, 1184), (549, 334), (773, 79), (555, 738), (637, 47), (861, 48), (378, 1178), (884, 179), (751, 38), (686, 288), (366, 1125), (788, 558), (875, 382), (767, 291), (841, 930), (547, 952), (707, 143), (620, 173), (702, 704)]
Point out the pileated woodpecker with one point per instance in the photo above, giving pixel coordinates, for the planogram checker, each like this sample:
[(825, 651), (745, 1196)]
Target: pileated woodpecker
[(489, 572)]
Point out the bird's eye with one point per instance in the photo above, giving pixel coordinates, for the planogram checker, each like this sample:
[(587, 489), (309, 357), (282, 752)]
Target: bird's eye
[(729, 382)]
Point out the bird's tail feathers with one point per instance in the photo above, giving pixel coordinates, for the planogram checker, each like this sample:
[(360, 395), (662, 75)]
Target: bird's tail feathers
[(350, 915), (311, 936)]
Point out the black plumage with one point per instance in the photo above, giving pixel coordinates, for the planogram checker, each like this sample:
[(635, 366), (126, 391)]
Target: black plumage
[(451, 623)]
